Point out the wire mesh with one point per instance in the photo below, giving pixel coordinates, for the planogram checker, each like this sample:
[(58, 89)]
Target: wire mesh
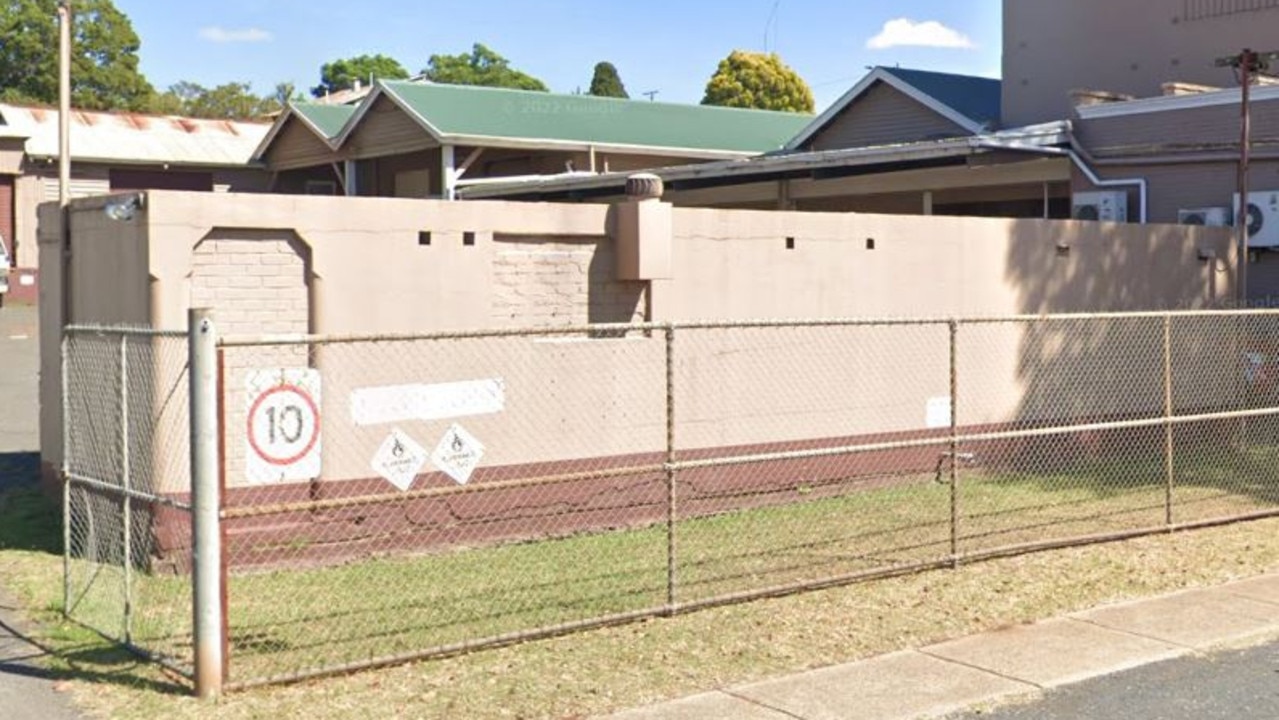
[(1057, 399), (127, 528), (390, 498), (806, 453), (386, 498), (1224, 467)]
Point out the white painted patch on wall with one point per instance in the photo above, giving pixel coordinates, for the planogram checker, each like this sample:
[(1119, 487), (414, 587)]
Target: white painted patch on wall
[(439, 401), (937, 412)]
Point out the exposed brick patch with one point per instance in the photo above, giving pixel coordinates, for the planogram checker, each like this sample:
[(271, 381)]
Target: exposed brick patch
[(561, 281), (256, 284)]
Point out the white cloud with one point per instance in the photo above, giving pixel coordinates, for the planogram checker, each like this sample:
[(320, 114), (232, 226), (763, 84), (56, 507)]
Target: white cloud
[(929, 33), (218, 34)]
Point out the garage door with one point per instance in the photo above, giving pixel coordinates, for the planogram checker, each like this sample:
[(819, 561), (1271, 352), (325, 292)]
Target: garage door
[(6, 214)]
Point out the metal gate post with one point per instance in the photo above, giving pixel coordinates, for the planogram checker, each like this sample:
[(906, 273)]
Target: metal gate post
[(202, 342), (127, 483), (672, 558), (953, 391), (66, 478)]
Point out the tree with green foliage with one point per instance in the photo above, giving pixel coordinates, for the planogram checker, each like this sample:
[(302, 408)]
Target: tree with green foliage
[(229, 101), (285, 93), (104, 64), (606, 82), (481, 66), (758, 80), (342, 74)]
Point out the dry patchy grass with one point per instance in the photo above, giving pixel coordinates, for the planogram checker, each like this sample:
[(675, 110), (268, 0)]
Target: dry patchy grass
[(610, 669)]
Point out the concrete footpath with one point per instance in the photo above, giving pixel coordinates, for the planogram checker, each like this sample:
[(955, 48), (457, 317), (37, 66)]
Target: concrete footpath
[(997, 666), (26, 687)]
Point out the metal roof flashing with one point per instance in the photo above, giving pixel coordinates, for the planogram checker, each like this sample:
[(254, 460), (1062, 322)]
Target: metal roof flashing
[(1029, 138)]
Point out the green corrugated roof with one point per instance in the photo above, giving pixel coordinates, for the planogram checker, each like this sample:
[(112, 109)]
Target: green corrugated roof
[(328, 118), (501, 113)]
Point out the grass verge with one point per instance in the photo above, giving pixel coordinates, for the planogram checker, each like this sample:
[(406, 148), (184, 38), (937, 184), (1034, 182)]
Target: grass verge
[(614, 668)]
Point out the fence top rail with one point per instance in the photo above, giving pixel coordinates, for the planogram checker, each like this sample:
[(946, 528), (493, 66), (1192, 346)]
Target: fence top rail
[(610, 329), (119, 330), (304, 339)]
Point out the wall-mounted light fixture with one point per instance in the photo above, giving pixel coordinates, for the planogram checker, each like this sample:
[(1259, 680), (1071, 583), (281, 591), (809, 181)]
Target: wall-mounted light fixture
[(1063, 247), (123, 208)]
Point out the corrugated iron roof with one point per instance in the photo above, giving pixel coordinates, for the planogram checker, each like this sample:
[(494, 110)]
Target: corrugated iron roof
[(327, 119), (136, 139), (483, 112)]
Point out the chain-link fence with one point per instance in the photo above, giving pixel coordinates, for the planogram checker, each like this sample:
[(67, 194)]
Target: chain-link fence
[(126, 513), (387, 498)]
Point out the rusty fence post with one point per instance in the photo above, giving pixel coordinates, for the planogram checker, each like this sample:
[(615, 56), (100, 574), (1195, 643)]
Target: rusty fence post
[(1169, 474), (953, 332)]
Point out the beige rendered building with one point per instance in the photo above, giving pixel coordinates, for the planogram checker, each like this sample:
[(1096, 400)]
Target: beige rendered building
[(1052, 47)]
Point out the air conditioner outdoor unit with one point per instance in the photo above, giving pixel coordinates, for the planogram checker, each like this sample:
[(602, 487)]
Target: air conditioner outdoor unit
[(1209, 216), (1104, 206), (1262, 216)]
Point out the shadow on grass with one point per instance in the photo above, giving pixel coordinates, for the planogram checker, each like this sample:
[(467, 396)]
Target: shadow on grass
[(1249, 470), (90, 661), (30, 522)]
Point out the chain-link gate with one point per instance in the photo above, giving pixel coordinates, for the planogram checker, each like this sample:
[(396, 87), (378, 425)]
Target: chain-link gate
[(126, 512), (396, 497)]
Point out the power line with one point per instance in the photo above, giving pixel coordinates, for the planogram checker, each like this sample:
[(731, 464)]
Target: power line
[(772, 23)]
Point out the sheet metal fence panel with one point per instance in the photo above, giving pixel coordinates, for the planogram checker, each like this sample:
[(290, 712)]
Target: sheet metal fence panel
[(127, 528), (396, 497)]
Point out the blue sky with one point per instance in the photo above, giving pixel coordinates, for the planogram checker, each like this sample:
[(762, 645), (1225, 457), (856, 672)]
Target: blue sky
[(665, 45)]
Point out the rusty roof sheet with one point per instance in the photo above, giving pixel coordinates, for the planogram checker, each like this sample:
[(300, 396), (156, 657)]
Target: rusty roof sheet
[(132, 138)]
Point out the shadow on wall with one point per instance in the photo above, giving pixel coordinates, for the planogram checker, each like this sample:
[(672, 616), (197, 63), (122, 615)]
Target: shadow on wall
[(610, 300), (1088, 370)]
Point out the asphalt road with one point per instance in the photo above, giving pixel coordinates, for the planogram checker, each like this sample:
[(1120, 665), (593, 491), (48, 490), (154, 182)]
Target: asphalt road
[(1234, 685), (19, 378)]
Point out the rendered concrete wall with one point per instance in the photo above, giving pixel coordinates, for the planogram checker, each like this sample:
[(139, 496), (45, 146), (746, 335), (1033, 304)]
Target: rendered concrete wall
[(374, 265)]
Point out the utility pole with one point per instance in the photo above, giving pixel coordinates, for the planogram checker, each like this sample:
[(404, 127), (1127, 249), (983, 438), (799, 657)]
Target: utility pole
[(1247, 65), (64, 102), (651, 94)]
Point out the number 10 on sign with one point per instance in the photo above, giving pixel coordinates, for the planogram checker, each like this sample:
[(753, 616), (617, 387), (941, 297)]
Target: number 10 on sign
[(283, 425)]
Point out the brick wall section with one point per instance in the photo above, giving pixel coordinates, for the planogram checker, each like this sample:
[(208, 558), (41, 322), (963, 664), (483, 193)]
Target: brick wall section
[(257, 285), (561, 281), (256, 282)]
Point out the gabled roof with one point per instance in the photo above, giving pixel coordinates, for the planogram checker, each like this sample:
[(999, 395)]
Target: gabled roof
[(135, 138), (970, 102), (498, 117), (326, 121)]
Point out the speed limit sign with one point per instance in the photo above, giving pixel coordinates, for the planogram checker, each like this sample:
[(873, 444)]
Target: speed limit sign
[(283, 425)]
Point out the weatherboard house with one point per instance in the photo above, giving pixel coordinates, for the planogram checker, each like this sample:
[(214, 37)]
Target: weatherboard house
[(422, 140)]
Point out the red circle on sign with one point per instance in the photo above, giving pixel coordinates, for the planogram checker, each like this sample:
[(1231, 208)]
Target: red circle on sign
[(315, 432)]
